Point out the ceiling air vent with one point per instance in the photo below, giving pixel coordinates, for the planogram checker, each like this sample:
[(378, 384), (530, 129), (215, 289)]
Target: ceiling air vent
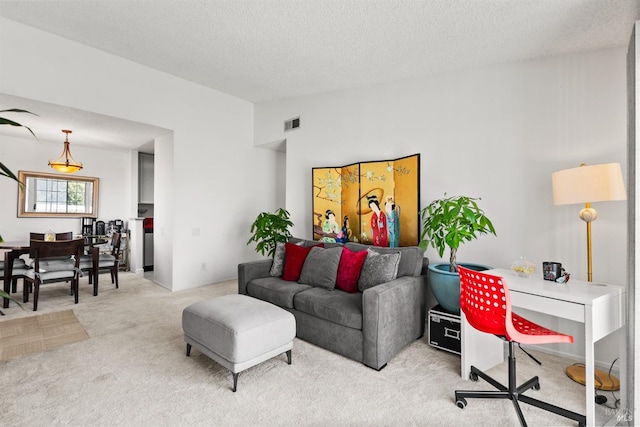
[(292, 124)]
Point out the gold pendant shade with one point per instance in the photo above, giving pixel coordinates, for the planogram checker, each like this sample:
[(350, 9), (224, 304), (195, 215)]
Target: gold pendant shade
[(65, 163)]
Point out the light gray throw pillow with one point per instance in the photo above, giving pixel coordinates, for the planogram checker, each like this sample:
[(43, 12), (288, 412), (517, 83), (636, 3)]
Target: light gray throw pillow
[(321, 267), (378, 268), (277, 268)]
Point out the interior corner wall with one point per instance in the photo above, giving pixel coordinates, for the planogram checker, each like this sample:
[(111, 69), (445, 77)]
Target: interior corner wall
[(219, 182), (495, 132), (633, 297), (163, 224)]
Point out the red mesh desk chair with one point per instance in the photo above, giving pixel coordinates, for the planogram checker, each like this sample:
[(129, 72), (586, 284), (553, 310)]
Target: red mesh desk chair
[(485, 302)]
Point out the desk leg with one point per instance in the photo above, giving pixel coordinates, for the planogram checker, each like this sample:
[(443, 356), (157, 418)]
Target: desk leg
[(589, 366), (484, 351)]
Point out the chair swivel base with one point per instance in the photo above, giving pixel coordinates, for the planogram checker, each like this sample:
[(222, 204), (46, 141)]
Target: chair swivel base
[(513, 393)]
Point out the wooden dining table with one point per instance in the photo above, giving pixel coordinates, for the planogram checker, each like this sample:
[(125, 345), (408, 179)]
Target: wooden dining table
[(15, 248)]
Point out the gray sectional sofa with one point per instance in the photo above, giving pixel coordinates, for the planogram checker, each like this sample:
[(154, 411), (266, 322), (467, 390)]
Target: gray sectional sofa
[(371, 326)]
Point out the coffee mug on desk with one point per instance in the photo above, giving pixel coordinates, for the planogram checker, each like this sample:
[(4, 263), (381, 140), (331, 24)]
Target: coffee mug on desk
[(551, 270)]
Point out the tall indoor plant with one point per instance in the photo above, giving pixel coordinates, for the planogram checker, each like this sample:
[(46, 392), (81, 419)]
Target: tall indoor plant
[(447, 223), (270, 228), (4, 171)]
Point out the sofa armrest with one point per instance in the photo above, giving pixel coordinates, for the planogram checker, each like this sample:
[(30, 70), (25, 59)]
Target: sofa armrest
[(248, 271), (425, 266), (393, 316)]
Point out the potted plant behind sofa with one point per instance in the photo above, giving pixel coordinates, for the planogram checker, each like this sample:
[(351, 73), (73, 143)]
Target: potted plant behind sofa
[(270, 228), (448, 223)]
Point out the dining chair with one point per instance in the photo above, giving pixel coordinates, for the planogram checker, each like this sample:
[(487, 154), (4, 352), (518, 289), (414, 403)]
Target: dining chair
[(486, 304), (17, 272), (54, 262), (41, 252), (102, 261)]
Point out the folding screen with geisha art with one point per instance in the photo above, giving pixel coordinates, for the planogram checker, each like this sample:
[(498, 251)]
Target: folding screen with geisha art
[(375, 203)]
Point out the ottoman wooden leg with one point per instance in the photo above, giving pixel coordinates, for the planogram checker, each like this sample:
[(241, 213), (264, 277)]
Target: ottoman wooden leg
[(235, 381), (188, 350), (289, 357)]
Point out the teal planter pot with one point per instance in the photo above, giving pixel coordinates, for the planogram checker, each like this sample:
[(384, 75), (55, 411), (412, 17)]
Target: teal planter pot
[(446, 285)]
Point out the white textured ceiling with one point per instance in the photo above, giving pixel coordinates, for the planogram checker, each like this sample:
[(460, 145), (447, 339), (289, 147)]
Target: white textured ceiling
[(261, 50)]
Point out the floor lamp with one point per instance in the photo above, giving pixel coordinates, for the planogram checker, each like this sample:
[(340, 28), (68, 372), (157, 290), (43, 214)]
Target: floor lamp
[(587, 184)]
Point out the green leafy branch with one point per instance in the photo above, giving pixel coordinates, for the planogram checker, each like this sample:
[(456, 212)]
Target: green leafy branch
[(4, 171), (451, 221), (270, 228)]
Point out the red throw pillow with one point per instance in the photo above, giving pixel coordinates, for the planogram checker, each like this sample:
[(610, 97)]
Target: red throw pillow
[(294, 260), (349, 270)]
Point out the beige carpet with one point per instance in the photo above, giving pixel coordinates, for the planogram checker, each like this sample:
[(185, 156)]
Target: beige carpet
[(133, 372), (39, 332)]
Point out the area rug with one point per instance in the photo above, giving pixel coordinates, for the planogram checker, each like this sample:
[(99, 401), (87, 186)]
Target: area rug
[(38, 333)]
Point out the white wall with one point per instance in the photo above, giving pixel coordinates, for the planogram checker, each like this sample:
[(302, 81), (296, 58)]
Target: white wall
[(32, 155), (496, 133), (215, 180)]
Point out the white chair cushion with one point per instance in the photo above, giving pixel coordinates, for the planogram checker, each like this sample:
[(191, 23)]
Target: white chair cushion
[(51, 275), (17, 263)]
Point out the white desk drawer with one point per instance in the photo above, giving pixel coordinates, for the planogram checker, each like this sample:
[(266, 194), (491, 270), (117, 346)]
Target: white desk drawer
[(558, 308)]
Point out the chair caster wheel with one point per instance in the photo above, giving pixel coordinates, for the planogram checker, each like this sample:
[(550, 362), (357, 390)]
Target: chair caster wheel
[(461, 403), (536, 387), (473, 376)]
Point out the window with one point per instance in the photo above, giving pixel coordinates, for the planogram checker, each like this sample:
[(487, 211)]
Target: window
[(54, 195)]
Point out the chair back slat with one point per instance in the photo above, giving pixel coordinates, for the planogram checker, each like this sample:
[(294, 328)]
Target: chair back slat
[(68, 235), (115, 244)]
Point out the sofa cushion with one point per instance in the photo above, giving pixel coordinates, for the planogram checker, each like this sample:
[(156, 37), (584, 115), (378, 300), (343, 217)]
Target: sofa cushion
[(335, 306), (349, 270), (294, 260), (275, 290), (378, 268), (411, 257), (321, 267)]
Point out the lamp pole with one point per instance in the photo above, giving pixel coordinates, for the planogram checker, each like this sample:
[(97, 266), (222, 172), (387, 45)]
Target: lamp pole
[(588, 215)]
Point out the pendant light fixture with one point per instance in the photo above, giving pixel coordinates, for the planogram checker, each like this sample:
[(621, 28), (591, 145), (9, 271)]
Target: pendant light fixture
[(65, 162)]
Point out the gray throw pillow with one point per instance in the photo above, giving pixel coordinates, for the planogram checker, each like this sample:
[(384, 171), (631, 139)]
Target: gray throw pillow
[(321, 267), (377, 269), (277, 268)]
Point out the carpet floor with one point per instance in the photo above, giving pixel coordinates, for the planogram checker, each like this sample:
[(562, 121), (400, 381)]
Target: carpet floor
[(132, 371)]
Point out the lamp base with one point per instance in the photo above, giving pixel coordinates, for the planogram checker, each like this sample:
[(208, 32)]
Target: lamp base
[(603, 381)]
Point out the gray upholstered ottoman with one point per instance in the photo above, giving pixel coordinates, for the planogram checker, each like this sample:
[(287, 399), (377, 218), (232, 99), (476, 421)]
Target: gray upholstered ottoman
[(238, 331)]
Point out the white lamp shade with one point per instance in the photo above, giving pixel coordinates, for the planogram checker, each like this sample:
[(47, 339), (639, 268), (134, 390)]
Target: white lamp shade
[(586, 184)]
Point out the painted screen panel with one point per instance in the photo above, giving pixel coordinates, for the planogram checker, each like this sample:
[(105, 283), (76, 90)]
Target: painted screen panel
[(375, 203)]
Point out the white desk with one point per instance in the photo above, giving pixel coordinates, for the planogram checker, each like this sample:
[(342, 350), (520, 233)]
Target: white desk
[(601, 308)]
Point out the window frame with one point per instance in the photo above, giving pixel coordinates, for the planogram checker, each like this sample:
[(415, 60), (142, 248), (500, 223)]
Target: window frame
[(23, 176)]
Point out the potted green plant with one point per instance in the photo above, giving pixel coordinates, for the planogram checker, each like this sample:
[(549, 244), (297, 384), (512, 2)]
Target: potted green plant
[(448, 223), (4, 171), (270, 228)]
